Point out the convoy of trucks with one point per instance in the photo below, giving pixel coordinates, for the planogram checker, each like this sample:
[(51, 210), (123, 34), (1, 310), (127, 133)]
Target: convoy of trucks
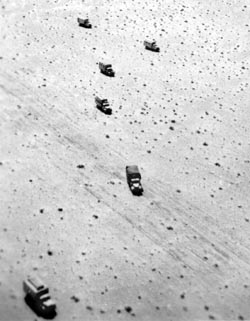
[(37, 293)]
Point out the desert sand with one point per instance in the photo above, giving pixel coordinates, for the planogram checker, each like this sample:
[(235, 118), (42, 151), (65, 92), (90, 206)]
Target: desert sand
[(182, 250)]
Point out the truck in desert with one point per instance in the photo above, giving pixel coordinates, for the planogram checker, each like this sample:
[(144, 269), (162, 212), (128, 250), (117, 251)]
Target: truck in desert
[(37, 296), (151, 46), (84, 23), (106, 69), (134, 179), (103, 105)]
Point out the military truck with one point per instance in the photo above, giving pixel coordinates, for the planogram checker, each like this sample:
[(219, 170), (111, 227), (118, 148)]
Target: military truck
[(151, 46), (37, 296), (134, 179), (103, 105), (106, 69), (84, 23)]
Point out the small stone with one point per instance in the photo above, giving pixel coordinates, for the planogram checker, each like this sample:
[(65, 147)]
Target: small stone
[(128, 309), (75, 299)]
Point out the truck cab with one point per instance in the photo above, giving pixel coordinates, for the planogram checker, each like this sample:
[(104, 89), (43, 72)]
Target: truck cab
[(84, 23), (106, 69), (151, 46), (37, 294), (103, 105), (134, 179)]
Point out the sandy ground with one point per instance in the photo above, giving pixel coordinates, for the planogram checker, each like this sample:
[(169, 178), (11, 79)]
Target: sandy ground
[(180, 252)]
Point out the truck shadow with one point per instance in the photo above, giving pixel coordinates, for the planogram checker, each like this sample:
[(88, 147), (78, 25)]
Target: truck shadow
[(35, 308)]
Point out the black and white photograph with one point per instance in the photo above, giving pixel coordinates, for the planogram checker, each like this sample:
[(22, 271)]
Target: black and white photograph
[(124, 160)]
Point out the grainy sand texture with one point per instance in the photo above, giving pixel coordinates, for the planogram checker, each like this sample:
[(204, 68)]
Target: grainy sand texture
[(182, 250)]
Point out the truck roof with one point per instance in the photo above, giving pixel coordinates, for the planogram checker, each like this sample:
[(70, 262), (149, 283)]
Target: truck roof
[(101, 101), (36, 282), (132, 169)]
